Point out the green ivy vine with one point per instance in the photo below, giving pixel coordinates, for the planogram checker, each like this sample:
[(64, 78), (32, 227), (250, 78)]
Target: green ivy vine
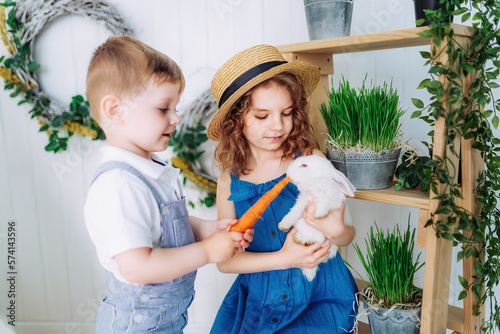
[(471, 115)]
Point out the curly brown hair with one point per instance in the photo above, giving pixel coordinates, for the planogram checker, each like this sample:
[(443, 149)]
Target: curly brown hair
[(232, 152)]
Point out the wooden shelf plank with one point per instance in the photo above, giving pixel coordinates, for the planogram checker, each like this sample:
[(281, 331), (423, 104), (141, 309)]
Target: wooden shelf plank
[(411, 198), (370, 42), (455, 318)]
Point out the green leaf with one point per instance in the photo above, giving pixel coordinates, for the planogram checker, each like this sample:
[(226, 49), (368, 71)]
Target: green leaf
[(66, 116), (487, 113), (425, 54), (423, 83), (493, 84), (417, 103), (33, 66), (462, 295), (465, 17), (477, 290), (477, 16), (78, 99), (468, 68), (478, 268), (447, 236), (494, 122), (437, 41), (57, 122), (52, 146), (431, 163), (434, 84), (416, 114), (460, 256), (17, 91), (463, 282), (419, 22), (425, 34), (459, 11)]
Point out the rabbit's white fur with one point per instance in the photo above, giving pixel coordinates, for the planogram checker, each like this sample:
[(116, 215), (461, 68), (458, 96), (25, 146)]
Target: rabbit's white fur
[(318, 180)]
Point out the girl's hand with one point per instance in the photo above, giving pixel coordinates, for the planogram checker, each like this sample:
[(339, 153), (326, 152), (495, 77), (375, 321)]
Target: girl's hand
[(225, 225), (332, 225), (301, 256)]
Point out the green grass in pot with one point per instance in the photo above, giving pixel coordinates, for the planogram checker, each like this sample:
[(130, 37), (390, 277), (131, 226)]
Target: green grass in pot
[(390, 266), (367, 116)]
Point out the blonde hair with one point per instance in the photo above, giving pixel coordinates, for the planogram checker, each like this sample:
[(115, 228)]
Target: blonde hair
[(123, 66), (232, 151)]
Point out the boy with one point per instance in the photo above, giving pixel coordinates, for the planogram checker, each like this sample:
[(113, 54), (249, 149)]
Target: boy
[(135, 212)]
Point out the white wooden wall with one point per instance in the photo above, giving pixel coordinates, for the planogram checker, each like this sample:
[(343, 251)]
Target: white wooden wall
[(59, 281)]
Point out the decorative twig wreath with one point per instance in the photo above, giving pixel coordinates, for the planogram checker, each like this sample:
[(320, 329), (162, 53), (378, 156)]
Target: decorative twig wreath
[(18, 30), (187, 143)]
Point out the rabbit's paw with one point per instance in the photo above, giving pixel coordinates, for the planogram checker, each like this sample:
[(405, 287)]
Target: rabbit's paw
[(301, 240), (298, 238), (285, 224), (284, 227)]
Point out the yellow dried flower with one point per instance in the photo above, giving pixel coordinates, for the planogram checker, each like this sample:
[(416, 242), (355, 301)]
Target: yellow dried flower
[(80, 129), (199, 180), (2, 15), (12, 78)]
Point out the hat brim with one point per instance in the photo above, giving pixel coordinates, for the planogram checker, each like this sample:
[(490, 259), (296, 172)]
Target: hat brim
[(308, 74)]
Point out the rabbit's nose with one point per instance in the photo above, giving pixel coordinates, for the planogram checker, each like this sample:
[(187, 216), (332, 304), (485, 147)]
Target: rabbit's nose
[(303, 165)]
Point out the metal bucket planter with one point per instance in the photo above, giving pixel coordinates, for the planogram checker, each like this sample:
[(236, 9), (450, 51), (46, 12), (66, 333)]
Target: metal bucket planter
[(368, 169), (394, 322), (328, 18)]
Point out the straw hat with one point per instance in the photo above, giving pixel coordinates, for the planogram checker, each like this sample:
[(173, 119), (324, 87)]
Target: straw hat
[(246, 70)]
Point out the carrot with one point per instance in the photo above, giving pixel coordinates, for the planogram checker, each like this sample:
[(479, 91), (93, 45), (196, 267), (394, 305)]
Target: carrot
[(253, 214)]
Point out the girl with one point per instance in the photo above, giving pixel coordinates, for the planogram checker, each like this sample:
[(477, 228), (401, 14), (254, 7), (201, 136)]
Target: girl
[(262, 124)]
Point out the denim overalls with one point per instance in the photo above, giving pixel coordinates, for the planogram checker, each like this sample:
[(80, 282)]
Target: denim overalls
[(150, 308)]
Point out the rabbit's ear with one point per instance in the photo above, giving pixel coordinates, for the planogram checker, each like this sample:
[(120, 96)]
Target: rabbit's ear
[(343, 182)]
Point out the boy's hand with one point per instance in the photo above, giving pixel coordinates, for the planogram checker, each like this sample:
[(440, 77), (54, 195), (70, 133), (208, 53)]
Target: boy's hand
[(301, 256), (221, 245), (225, 225)]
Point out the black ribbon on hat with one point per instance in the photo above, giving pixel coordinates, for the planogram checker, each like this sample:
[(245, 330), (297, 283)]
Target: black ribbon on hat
[(246, 77)]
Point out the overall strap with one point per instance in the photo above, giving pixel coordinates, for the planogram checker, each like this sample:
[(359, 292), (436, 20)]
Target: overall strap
[(122, 165)]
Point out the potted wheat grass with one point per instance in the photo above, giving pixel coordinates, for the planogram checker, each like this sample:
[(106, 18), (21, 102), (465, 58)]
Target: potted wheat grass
[(365, 132), (391, 300)]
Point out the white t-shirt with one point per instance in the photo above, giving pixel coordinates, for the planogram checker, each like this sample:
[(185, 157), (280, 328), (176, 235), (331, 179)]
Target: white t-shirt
[(121, 212)]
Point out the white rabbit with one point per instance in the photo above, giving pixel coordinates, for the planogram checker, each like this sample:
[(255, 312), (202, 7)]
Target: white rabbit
[(317, 180)]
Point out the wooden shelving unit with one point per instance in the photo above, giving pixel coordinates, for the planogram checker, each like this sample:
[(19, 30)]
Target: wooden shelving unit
[(437, 315)]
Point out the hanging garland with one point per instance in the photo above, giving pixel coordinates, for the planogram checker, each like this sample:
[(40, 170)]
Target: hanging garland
[(18, 31)]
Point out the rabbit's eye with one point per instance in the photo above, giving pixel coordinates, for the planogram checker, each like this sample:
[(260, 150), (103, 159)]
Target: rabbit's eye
[(303, 165)]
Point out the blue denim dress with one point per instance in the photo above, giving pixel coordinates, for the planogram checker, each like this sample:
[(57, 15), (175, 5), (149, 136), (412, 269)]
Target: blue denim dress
[(150, 308), (284, 301)]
